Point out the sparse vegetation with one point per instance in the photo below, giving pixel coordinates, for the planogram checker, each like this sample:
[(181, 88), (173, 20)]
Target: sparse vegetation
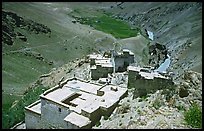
[(106, 117), (193, 116), (157, 104), (98, 123), (18, 72), (143, 98), (140, 100), (16, 114), (181, 108), (125, 107)]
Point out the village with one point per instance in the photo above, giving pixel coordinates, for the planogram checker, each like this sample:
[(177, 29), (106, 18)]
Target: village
[(101, 65), (79, 104)]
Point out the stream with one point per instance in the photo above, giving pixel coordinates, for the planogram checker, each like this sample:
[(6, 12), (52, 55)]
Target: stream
[(150, 34), (163, 67)]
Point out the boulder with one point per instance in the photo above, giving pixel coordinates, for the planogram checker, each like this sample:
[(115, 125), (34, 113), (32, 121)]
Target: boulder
[(183, 92)]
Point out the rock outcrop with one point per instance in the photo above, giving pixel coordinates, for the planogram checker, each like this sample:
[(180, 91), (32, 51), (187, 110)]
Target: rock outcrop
[(11, 21)]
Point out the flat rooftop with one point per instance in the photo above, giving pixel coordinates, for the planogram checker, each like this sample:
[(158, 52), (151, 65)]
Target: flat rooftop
[(94, 56), (103, 61), (107, 65), (146, 75), (83, 86), (79, 95), (152, 75), (70, 88), (134, 68), (77, 119), (130, 52), (35, 107), (60, 94)]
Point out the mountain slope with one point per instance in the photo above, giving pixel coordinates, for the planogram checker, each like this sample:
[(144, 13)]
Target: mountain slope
[(178, 25)]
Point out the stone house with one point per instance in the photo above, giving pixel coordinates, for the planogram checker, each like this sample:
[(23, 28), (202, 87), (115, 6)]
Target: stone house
[(145, 80), (72, 105), (101, 71), (118, 62), (123, 60)]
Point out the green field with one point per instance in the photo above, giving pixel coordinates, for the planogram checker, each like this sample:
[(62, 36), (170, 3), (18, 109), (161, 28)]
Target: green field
[(118, 28)]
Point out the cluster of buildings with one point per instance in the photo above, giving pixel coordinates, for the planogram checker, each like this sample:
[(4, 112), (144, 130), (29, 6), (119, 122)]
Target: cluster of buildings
[(75, 105), (80, 104), (101, 65)]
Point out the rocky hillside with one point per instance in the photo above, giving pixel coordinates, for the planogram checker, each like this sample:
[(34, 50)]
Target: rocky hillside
[(11, 20), (178, 25), (160, 110)]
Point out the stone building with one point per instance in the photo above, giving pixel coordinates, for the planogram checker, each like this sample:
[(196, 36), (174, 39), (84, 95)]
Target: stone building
[(102, 65), (145, 80), (123, 60), (101, 71), (73, 104)]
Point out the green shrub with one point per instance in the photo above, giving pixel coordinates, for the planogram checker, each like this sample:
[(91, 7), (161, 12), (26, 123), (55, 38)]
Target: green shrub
[(140, 100), (98, 123), (157, 104), (125, 108), (181, 108), (144, 97), (193, 116), (106, 117)]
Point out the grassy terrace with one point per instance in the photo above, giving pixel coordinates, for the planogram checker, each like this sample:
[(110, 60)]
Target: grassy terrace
[(118, 28)]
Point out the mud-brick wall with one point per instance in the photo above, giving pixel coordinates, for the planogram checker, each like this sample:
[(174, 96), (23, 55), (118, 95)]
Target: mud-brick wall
[(32, 120), (132, 77), (121, 63), (144, 86), (130, 59), (93, 116), (100, 72), (52, 115), (92, 61), (108, 111)]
